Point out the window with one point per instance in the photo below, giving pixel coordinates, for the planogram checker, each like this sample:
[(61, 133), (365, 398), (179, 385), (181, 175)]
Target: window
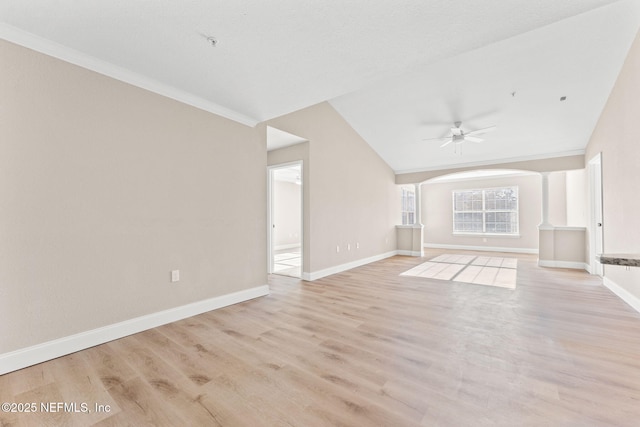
[(408, 206), (486, 211)]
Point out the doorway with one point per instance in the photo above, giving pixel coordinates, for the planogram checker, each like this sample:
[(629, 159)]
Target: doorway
[(285, 219), (596, 232)]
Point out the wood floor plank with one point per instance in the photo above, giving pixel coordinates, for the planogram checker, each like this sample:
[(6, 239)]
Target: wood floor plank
[(369, 346), (79, 384)]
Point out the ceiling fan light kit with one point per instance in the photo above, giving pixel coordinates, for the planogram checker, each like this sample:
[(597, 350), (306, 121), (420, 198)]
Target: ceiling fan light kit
[(458, 136)]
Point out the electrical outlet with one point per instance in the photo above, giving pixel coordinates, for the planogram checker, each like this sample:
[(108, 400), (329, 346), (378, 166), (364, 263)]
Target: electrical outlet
[(348, 246), (338, 249), (175, 275), (357, 245)]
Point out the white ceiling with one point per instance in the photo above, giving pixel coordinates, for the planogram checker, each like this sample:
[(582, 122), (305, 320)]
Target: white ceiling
[(398, 71), (579, 58), (277, 138)]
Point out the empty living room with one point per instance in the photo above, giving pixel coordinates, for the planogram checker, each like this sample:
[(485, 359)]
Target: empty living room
[(331, 213)]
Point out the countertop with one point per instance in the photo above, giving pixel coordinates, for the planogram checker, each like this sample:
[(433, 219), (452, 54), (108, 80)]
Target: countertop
[(632, 260)]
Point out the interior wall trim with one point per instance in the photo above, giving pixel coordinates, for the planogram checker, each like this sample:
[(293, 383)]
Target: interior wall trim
[(563, 264), (482, 248), (621, 292), (39, 353), (408, 253), (288, 246), (315, 275)]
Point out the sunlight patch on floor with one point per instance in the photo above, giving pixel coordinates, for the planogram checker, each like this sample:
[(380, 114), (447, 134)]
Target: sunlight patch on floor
[(288, 263), (479, 270)]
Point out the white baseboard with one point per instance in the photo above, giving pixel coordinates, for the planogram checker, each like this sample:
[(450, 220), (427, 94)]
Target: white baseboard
[(288, 246), (315, 275), (482, 248), (22, 358), (408, 253), (563, 264), (624, 295)]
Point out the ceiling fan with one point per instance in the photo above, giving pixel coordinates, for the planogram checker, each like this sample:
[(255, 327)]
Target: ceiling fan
[(458, 136)]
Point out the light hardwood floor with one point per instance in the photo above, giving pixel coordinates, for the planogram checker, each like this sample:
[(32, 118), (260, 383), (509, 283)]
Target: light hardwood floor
[(365, 348)]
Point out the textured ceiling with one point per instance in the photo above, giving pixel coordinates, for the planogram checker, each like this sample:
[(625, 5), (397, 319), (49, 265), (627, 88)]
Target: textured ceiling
[(515, 84), (273, 58)]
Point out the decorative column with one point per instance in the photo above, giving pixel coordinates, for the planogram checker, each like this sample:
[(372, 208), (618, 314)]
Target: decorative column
[(545, 224), (418, 219), (418, 227), (546, 234)]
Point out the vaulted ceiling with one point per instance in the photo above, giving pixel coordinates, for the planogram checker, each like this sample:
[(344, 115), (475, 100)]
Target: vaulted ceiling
[(397, 71)]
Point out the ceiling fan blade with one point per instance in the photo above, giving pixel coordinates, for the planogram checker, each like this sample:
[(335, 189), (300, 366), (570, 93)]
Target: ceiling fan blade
[(445, 138), (447, 143), (480, 131), (472, 138)]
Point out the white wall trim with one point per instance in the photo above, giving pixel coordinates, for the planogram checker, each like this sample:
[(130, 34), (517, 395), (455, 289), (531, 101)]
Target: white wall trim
[(270, 207), (595, 233), (563, 264), (38, 353), (288, 246), (83, 60), (408, 253), (482, 248), (498, 235), (315, 275), (569, 228), (621, 292)]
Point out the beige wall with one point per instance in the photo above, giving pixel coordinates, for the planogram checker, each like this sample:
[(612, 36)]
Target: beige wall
[(557, 198), (617, 137), (569, 245), (577, 204), (437, 212), (404, 238), (105, 188), (351, 191), (562, 247), (287, 214)]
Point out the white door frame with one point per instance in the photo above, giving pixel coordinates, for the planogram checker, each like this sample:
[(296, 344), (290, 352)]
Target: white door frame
[(270, 251), (596, 227)]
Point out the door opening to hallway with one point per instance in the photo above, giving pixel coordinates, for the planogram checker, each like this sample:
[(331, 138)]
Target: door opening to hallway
[(285, 209)]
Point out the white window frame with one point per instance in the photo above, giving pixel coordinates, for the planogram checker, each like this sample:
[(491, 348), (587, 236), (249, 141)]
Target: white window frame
[(408, 206), (484, 212)]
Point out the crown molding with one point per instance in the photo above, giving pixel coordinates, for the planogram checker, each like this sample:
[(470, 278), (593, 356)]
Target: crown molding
[(64, 53)]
